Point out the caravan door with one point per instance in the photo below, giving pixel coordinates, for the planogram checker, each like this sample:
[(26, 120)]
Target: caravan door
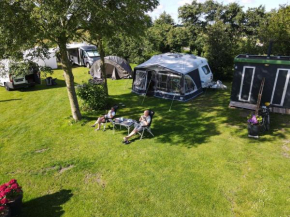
[(247, 83), (280, 87)]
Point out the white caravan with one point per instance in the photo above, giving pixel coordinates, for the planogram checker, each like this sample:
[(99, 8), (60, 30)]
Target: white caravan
[(49, 61), (82, 54), (15, 82)]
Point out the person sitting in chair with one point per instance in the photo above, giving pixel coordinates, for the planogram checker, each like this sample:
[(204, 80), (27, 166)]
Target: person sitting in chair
[(143, 121), (102, 119)]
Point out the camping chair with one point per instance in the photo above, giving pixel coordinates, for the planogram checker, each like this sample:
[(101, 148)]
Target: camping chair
[(151, 113), (111, 119)]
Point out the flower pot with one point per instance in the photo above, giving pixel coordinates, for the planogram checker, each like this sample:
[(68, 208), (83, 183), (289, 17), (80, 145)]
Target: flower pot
[(6, 213), (15, 205), (253, 130)]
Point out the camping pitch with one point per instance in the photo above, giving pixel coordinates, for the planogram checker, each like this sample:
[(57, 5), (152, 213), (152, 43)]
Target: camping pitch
[(250, 71), (116, 68), (173, 76)]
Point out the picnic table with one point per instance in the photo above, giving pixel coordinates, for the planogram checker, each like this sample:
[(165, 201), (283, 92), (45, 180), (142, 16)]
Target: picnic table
[(125, 122)]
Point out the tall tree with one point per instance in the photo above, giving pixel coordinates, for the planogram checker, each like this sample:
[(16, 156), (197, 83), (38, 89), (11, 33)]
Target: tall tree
[(61, 21), (158, 33), (277, 28)]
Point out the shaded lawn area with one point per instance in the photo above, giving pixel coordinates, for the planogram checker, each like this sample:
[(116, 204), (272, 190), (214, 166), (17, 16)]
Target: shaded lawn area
[(200, 162)]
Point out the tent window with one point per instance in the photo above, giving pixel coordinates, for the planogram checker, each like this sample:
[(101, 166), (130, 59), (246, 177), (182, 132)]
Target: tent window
[(206, 69), (140, 80), (175, 84), (163, 82), (168, 83), (189, 85)]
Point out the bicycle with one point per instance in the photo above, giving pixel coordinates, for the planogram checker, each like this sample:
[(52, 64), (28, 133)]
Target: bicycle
[(265, 113)]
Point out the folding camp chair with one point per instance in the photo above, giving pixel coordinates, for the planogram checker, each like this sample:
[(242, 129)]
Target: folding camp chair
[(111, 120), (151, 113)]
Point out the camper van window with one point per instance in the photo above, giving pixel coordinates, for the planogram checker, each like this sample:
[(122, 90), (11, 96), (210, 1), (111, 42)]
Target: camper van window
[(206, 69), (93, 53), (73, 52), (189, 84)]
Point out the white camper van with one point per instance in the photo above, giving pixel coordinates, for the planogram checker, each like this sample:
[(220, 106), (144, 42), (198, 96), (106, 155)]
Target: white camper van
[(11, 82), (82, 54)]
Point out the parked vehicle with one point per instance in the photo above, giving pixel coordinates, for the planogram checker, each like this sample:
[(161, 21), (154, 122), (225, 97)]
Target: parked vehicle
[(10, 81), (49, 61), (82, 54)]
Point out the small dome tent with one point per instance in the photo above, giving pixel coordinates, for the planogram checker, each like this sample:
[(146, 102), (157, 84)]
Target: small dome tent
[(116, 68), (172, 76)]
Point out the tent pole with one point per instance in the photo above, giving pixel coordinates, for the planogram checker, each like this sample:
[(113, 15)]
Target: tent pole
[(146, 90), (126, 85), (171, 103), (178, 85)]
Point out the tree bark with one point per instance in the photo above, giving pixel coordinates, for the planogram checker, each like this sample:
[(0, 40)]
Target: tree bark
[(102, 64), (69, 80)]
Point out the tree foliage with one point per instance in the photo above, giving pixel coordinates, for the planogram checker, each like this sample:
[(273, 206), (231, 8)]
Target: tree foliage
[(94, 97), (277, 28), (29, 23)]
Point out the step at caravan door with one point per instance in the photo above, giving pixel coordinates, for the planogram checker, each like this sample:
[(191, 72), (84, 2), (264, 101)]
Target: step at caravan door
[(280, 87), (247, 83), (140, 82)]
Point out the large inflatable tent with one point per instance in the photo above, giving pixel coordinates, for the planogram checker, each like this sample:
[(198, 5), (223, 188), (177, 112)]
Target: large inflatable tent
[(172, 76), (116, 68), (249, 73)]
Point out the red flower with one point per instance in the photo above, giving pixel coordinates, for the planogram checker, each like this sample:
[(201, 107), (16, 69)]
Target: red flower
[(12, 181), (3, 201), (14, 186), (2, 208), (7, 191), (2, 194), (3, 187)]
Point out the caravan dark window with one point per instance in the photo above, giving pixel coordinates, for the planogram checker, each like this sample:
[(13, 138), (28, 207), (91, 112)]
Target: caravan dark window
[(206, 69), (189, 84)]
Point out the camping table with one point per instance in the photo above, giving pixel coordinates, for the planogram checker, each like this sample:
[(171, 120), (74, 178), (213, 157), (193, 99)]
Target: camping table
[(125, 123)]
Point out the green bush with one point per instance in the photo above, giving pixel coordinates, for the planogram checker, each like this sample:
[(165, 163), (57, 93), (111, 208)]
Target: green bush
[(93, 96)]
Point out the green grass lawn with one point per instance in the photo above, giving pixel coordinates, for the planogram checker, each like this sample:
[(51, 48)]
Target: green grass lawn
[(200, 162)]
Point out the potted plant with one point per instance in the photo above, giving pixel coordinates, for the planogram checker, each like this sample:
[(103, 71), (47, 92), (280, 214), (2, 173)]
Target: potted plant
[(254, 122), (4, 209), (12, 193)]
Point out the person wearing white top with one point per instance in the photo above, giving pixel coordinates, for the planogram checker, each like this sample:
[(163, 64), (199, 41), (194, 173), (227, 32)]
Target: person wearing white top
[(144, 121), (102, 119)]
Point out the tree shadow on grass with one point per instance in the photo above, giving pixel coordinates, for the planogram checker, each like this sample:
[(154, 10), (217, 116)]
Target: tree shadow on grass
[(185, 125), (9, 100), (47, 206), (190, 124), (43, 86)]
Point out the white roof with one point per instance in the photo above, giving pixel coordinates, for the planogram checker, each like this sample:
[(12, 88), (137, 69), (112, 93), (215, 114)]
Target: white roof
[(77, 45), (182, 63)]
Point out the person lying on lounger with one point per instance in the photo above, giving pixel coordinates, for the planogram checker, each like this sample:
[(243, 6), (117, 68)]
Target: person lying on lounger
[(144, 121), (102, 119)]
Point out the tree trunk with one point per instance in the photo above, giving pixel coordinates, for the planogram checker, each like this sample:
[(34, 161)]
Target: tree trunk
[(102, 64), (69, 80)]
